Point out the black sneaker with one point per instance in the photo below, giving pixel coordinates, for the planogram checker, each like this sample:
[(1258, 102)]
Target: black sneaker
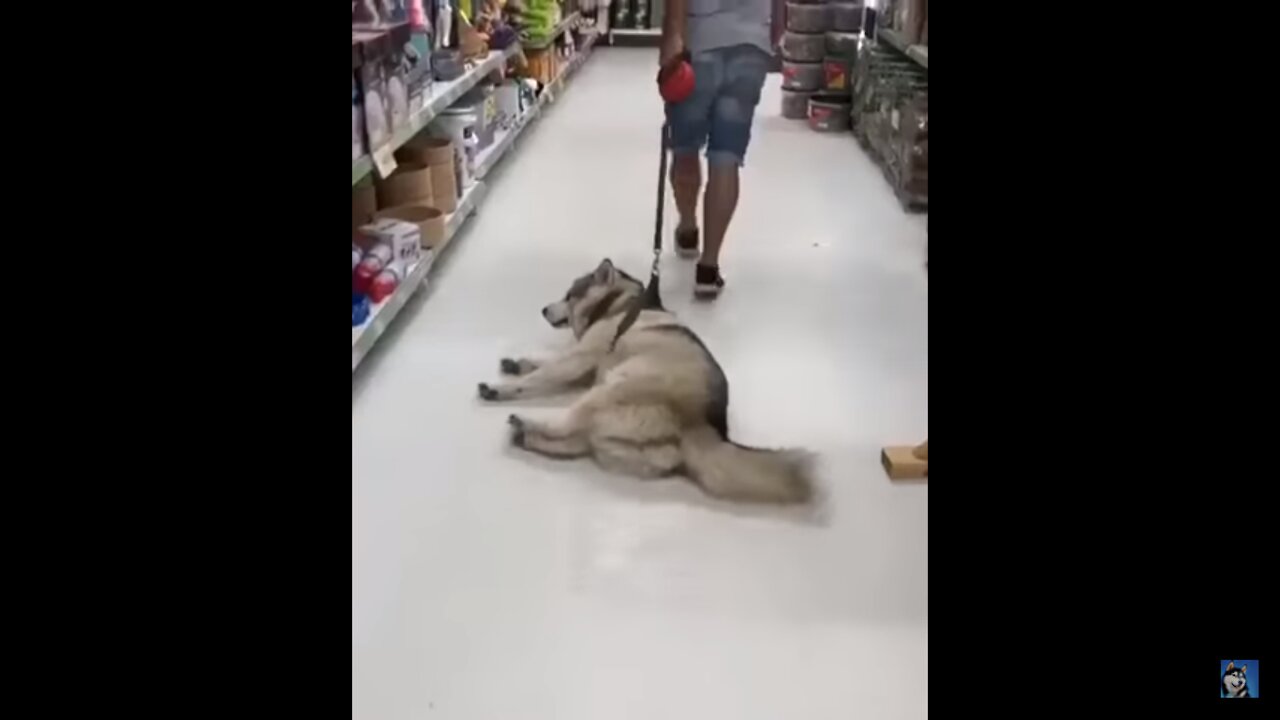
[(687, 243), (708, 282)]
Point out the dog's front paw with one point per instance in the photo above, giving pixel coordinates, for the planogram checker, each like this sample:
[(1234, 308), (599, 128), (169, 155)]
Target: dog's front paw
[(517, 430), (509, 367), (486, 392)]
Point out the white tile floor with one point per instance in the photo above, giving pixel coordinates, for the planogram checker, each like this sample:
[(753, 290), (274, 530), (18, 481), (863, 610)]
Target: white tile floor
[(489, 584)]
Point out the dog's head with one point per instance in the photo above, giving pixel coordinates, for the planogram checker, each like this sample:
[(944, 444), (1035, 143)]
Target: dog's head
[(596, 295), (1234, 681)]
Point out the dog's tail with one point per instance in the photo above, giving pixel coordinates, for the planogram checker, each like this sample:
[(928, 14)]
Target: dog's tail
[(733, 472)]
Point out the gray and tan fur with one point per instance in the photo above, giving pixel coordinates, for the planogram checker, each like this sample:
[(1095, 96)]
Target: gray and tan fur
[(656, 404)]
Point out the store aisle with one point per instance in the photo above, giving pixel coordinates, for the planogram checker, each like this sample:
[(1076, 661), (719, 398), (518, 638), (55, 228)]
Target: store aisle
[(488, 584)]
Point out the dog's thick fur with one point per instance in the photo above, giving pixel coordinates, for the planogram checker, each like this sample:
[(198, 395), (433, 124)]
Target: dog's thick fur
[(657, 403), (1235, 681)]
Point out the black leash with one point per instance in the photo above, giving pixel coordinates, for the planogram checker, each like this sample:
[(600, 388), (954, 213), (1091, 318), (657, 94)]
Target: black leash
[(651, 299)]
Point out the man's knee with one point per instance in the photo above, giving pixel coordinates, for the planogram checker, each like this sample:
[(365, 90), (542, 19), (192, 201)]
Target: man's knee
[(686, 167)]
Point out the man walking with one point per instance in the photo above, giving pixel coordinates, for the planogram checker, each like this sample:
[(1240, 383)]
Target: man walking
[(728, 41)]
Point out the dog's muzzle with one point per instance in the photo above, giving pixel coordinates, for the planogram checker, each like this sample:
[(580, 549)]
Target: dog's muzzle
[(555, 315)]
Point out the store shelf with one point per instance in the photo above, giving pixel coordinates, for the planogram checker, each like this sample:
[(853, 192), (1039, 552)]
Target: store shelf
[(489, 157), (556, 86), (363, 337), (635, 36), (442, 95), (919, 53), (894, 39), (556, 32)]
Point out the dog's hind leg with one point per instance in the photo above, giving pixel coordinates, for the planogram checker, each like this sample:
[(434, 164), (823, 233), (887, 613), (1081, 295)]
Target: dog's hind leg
[(639, 440), (553, 439)]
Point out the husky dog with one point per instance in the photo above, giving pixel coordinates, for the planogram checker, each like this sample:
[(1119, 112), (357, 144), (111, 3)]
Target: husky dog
[(657, 404), (1234, 682)]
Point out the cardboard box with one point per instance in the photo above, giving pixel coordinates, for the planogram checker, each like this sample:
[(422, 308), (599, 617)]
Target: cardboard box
[(404, 238)]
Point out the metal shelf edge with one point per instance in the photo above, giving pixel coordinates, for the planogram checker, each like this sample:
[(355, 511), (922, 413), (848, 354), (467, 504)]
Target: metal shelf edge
[(364, 337), (894, 39)]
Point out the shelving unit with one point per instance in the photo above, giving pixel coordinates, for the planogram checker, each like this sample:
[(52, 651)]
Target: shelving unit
[(892, 38), (490, 156), (380, 317), (366, 335), (556, 32), (635, 36), (442, 96)]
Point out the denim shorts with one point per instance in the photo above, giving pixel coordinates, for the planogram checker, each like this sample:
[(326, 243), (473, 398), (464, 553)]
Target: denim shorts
[(727, 84)]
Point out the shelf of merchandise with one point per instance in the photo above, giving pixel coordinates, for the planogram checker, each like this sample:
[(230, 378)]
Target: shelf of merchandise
[(635, 36), (380, 317), (442, 95), (556, 32), (489, 157), (364, 336), (894, 39)]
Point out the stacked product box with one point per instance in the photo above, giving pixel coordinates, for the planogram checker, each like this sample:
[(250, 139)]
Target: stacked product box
[(890, 112)]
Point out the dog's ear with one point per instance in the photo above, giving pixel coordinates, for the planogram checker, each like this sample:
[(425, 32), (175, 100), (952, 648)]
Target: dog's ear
[(1244, 669), (606, 273), (1231, 666)]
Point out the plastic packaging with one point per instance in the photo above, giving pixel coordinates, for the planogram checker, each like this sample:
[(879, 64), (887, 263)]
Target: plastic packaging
[(386, 282), (372, 264), (359, 309)]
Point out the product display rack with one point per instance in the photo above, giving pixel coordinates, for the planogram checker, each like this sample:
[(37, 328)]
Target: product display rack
[(565, 24), (489, 157), (366, 335), (443, 95), (380, 317), (894, 39), (635, 36)]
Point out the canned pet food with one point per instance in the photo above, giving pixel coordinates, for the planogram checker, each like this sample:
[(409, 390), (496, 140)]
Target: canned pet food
[(801, 76), (842, 43), (808, 18), (795, 104), (846, 16), (829, 112), (801, 47)]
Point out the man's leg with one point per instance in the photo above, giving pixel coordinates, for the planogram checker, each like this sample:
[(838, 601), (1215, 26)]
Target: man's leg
[(686, 182), (689, 122), (729, 135), (720, 202)]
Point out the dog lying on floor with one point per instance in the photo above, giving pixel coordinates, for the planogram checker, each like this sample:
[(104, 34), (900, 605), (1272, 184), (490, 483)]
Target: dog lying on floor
[(657, 404)]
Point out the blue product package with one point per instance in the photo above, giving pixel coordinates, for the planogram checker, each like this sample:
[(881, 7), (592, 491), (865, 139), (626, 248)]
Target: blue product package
[(359, 309)]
